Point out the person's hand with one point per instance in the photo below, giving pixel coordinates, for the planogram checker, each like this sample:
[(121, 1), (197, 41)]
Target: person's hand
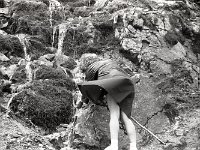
[(136, 78), (79, 105), (85, 100)]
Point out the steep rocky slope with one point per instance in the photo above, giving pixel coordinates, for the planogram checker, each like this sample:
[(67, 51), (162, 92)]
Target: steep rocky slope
[(158, 41)]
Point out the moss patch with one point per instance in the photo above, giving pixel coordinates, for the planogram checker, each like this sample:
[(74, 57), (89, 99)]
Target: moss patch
[(45, 103)]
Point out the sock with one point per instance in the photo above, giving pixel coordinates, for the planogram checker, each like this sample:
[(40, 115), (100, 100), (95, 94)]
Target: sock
[(114, 144), (133, 146)]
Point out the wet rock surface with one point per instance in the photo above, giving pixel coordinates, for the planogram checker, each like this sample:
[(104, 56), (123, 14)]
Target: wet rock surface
[(41, 42)]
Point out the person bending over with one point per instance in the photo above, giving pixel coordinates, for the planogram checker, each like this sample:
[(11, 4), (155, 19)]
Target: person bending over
[(107, 84)]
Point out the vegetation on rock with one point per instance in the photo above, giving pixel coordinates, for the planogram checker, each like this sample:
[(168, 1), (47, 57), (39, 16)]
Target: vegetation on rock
[(41, 42)]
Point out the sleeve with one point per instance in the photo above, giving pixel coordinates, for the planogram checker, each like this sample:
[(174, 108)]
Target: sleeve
[(85, 99), (92, 73)]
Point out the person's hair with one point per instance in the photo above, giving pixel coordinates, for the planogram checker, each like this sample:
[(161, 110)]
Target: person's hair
[(86, 60)]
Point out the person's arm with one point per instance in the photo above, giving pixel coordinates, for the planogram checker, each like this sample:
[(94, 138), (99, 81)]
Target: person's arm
[(90, 74), (83, 100)]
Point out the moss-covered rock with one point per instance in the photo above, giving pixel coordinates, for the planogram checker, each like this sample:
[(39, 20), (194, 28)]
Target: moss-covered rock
[(36, 46), (45, 72), (27, 6), (44, 108), (65, 61), (19, 76), (67, 84), (47, 101), (10, 45)]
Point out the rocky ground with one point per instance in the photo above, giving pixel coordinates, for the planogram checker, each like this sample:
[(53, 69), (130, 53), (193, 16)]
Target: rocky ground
[(41, 43)]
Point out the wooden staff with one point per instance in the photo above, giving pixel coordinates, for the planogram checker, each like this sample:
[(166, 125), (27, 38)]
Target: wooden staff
[(143, 127)]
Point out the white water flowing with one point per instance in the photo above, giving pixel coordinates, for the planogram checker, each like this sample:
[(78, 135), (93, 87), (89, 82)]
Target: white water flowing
[(54, 5), (62, 32), (24, 41), (53, 36)]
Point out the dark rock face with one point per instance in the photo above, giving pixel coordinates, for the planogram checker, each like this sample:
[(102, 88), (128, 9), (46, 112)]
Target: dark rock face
[(19, 76), (28, 6), (159, 45), (11, 46), (2, 4), (42, 109), (46, 103), (158, 40), (91, 131)]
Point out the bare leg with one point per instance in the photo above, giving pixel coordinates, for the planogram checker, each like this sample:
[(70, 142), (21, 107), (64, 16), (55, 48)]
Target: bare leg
[(114, 123), (130, 130)]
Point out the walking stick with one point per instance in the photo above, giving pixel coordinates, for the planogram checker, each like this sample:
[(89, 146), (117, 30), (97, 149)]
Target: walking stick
[(143, 127)]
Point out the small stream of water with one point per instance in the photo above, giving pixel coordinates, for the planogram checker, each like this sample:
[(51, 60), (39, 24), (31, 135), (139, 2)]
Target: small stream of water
[(57, 7), (25, 43), (62, 32)]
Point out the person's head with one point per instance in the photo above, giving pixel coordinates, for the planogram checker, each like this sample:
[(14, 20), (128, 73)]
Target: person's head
[(86, 60)]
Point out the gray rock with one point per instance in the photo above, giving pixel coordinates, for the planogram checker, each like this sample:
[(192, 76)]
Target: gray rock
[(160, 67), (176, 52), (45, 103), (3, 57)]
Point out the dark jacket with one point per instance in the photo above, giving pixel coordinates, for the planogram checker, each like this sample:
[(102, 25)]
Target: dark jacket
[(107, 77)]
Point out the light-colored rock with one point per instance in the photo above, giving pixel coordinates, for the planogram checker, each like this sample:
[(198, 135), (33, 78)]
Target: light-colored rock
[(194, 72), (179, 50), (100, 4), (167, 25), (162, 2), (145, 99), (176, 52), (131, 44), (4, 10), (131, 29), (3, 32), (9, 70), (3, 57), (139, 22), (160, 67)]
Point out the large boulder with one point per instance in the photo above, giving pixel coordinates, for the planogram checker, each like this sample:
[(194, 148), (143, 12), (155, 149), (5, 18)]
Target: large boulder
[(45, 99), (46, 110), (29, 17), (10, 45), (45, 103), (92, 130), (30, 5), (45, 72)]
